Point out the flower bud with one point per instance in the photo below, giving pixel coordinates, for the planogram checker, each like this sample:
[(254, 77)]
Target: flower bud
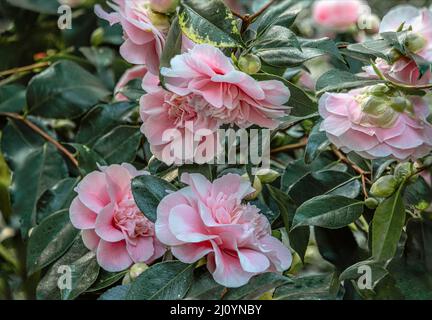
[(249, 64), (137, 269), (257, 185), (379, 90), (97, 37), (371, 203), (415, 42), (370, 23), (394, 55), (267, 175), (400, 104), (159, 20), (164, 6), (403, 170), (378, 111), (384, 187)]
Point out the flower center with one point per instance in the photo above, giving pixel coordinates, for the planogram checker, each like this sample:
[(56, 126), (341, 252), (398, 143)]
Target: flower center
[(381, 106), (131, 221), (180, 110)]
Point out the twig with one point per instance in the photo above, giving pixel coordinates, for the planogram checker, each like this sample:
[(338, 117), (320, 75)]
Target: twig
[(288, 147), (24, 69), (248, 19), (42, 133)]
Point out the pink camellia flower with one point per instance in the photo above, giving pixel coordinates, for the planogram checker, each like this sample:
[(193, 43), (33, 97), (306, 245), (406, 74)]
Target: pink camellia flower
[(176, 129), (404, 70), (209, 220), (377, 122), (233, 96), (338, 14), (137, 72), (144, 31), (112, 224), (419, 41)]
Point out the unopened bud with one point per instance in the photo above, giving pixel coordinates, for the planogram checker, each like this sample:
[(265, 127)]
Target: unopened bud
[(267, 175), (403, 170), (371, 203), (370, 23), (249, 64), (257, 185), (159, 20), (97, 37), (384, 187), (137, 269), (400, 104), (415, 42), (394, 55), (164, 6), (379, 90)]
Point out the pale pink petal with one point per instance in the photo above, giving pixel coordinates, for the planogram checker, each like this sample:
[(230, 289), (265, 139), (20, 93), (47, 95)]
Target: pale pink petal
[(81, 216), (91, 239), (105, 226), (113, 256)]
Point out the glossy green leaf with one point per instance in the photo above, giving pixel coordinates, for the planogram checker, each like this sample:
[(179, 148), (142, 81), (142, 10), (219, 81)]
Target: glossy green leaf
[(163, 281), (209, 22), (119, 145), (314, 287), (64, 90), (41, 6), (12, 98), (328, 211), (387, 224), (101, 120), (106, 279), (50, 240), (257, 286), (148, 191), (204, 287)]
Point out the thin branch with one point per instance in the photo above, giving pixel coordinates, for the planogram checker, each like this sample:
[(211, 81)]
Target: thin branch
[(24, 69), (248, 19), (288, 147), (355, 167), (42, 133), (261, 11)]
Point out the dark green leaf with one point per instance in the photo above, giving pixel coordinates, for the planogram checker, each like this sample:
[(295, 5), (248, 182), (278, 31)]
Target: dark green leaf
[(12, 98), (315, 287), (64, 90), (101, 120), (336, 80), (316, 141), (116, 293), (204, 287), (257, 286), (56, 198), (163, 281), (88, 159), (106, 279), (42, 6), (387, 225), (50, 240), (148, 191), (328, 211), (119, 145)]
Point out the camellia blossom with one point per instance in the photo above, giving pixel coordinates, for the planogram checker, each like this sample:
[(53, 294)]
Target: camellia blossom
[(111, 223), (137, 72), (233, 96), (209, 220), (338, 15), (174, 125), (144, 31), (405, 70), (377, 122)]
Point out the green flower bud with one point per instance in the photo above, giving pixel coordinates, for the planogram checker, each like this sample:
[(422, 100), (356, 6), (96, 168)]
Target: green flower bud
[(159, 20), (126, 279), (415, 42), (249, 64), (257, 185), (137, 269), (378, 111), (384, 187), (400, 104), (379, 90), (267, 175), (403, 170), (97, 37), (394, 55), (371, 203)]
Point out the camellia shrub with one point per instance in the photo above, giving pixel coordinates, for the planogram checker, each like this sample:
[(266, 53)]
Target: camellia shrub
[(209, 149)]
